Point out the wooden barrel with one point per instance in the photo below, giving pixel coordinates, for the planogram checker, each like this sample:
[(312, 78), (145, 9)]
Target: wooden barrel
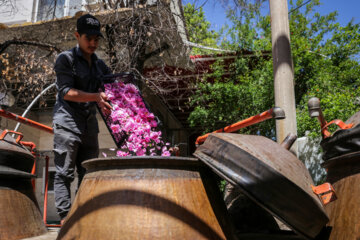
[(147, 198), (20, 214), (343, 173)]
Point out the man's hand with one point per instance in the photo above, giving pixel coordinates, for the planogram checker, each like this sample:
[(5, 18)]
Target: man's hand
[(103, 104)]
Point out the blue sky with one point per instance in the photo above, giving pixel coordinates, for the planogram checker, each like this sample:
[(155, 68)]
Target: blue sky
[(347, 9)]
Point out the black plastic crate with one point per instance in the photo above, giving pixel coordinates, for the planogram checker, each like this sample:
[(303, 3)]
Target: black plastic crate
[(126, 78)]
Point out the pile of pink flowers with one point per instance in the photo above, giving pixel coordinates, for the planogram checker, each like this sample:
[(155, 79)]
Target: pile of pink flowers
[(131, 117)]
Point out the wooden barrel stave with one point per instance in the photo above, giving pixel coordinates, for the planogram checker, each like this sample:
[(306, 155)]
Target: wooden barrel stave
[(343, 173), (20, 215)]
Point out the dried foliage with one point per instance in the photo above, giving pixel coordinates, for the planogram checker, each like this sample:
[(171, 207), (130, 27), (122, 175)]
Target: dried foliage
[(146, 40), (26, 71)]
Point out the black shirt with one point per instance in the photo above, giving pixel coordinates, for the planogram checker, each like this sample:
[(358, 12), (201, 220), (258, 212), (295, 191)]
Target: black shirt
[(73, 71)]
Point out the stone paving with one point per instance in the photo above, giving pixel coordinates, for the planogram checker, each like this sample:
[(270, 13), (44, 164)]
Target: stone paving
[(51, 235)]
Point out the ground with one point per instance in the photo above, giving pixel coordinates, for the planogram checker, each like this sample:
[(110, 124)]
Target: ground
[(51, 235)]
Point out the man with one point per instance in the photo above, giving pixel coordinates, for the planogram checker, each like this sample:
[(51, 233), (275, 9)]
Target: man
[(78, 78)]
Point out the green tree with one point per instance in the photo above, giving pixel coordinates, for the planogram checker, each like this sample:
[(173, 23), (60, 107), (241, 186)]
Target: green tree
[(198, 29), (326, 65), (242, 88)]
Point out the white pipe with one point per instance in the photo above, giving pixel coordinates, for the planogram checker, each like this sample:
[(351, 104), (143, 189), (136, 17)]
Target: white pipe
[(204, 47), (31, 104)]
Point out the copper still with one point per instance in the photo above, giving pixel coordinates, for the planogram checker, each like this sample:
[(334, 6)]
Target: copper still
[(269, 175), (147, 198), (341, 157), (20, 214), (342, 162), (344, 174)]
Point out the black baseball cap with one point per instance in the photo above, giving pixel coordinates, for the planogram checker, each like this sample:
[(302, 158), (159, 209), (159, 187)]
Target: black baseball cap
[(89, 25)]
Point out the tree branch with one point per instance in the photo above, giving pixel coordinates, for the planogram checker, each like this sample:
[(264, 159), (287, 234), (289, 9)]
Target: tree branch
[(164, 47), (17, 42)]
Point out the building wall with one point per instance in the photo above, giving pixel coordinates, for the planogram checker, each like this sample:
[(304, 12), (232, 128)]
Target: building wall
[(21, 13)]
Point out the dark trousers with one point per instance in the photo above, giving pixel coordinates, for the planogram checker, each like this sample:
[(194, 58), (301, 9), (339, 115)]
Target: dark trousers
[(70, 150)]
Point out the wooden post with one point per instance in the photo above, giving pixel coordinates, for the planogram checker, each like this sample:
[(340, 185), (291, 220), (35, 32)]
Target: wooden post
[(283, 70)]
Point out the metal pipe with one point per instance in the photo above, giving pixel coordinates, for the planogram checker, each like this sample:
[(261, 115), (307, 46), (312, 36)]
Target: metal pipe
[(46, 188), (275, 112), (315, 110), (32, 103), (32, 146), (289, 141), (46, 194), (26, 121)]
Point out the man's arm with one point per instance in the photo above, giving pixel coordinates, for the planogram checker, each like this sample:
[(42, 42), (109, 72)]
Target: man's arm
[(76, 95)]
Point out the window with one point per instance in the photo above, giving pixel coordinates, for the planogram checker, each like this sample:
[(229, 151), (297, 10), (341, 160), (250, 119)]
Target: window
[(50, 9)]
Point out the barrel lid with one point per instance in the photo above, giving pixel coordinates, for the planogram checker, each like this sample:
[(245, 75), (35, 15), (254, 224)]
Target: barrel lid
[(343, 141), (8, 143), (6, 172), (342, 166), (14, 155), (268, 174)]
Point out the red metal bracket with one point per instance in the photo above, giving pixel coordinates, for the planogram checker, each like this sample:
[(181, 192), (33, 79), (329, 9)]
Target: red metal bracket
[(31, 145), (26, 121), (6, 131), (275, 112), (326, 192), (339, 123)]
